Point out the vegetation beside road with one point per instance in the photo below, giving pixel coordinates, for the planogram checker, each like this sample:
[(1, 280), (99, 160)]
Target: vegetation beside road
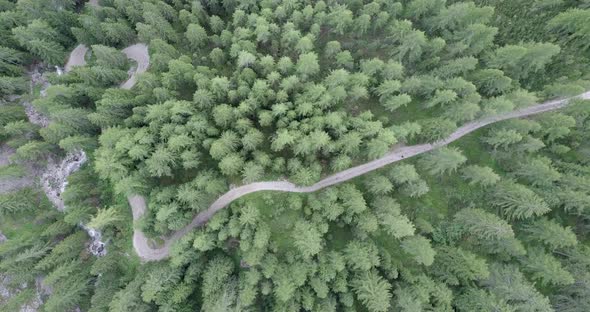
[(241, 92)]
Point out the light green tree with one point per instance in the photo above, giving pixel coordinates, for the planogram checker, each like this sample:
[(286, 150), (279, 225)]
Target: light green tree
[(443, 161), (517, 202), (373, 291), (478, 175), (419, 248), (307, 239)]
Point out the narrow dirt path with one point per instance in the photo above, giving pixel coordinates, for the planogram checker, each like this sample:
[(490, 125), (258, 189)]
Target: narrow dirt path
[(138, 204)]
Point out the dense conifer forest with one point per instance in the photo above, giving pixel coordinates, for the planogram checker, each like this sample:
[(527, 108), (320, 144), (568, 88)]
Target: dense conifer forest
[(294, 92)]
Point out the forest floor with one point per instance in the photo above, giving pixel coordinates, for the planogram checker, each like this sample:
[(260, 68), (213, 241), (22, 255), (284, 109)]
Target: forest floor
[(142, 244)]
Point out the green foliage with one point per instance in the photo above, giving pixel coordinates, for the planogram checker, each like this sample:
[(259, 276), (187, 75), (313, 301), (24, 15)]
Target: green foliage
[(12, 171), (517, 202), (372, 291), (392, 221), (11, 113), (18, 201), (482, 225), (103, 218), (456, 266), (571, 27), (42, 40), (307, 239), (546, 269), (12, 85), (242, 92), (537, 172), (508, 283), (419, 248), (361, 256), (436, 129), (551, 234), (520, 61), (480, 300), (503, 138), (477, 175), (444, 160)]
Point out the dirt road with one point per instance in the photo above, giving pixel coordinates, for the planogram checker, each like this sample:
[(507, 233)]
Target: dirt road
[(147, 253), (76, 57), (138, 53)]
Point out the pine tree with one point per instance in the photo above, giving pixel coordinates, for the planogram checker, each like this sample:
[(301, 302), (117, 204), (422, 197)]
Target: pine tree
[(419, 248), (491, 82), (550, 233), (361, 255), (307, 65), (307, 239), (196, 36), (482, 225), (571, 27), (517, 202), (392, 221), (456, 266), (502, 138), (436, 129), (104, 217), (508, 283), (483, 176), (546, 269), (537, 171), (11, 85), (475, 299), (443, 161), (373, 291)]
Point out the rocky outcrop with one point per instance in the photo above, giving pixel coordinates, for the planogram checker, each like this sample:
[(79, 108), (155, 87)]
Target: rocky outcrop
[(96, 245), (55, 178), (34, 116), (54, 182), (41, 292)]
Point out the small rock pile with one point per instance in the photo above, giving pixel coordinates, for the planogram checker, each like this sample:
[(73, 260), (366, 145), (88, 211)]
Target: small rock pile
[(34, 116), (55, 178)]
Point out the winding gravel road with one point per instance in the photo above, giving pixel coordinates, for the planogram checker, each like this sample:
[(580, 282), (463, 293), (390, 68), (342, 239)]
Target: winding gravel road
[(76, 57), (142, 244), (137, 52)]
